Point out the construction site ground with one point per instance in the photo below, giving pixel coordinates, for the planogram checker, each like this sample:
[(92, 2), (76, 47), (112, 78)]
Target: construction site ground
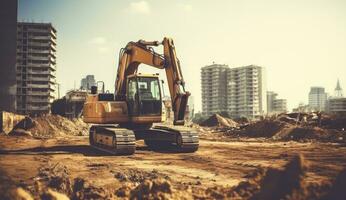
[(217, 166)]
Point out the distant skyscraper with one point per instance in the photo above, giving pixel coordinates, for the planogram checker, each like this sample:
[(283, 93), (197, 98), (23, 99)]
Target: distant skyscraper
[(240, 91), (338, 90), (214, 97), (8, 35), (246, 91), (87, 82), (317, 98)]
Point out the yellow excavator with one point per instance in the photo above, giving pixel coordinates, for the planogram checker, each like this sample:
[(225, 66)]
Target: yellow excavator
[(128, 115)]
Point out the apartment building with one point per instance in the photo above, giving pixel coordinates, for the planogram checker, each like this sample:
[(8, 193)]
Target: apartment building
[(275, 105), (214, 89), (246, 91), (317, 98), (36, 67)]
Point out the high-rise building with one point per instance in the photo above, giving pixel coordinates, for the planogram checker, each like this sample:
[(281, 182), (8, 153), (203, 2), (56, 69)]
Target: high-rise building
[(36, 67), (275, 105), (246, 91), (214, 89), (87, 82), (317, 98), (338, 90), (271, 96), (8, 33)]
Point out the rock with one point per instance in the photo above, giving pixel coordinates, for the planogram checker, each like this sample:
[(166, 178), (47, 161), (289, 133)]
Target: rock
[(20, 132), (21, 194), (53, 195), (156, 189)]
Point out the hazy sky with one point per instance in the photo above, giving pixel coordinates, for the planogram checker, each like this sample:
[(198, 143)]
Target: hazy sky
[(301, 43)]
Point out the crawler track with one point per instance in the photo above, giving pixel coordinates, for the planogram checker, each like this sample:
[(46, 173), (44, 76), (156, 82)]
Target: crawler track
[(114, 140)]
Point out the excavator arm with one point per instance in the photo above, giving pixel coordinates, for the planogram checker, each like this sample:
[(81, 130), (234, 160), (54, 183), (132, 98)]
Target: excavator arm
[(136, 53)]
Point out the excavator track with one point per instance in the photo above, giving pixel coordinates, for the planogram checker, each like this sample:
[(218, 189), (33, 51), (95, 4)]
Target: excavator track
[(111, 139), (184, 139)]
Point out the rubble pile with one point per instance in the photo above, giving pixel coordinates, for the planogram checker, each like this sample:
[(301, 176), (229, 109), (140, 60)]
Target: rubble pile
[(303, 127), (217, 120), (50, 126)]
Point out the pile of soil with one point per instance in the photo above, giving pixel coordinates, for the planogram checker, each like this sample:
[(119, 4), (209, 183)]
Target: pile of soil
[(283, 128), (265, 128), (287, 183), (217, 120), (54, 180), (50, 126), (153, 189), (307, 134), (137, 176), (333, 122)]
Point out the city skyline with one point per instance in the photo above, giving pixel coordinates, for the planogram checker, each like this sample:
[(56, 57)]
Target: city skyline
[(301, 44)]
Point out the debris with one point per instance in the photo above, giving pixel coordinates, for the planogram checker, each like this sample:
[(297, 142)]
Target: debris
[(155, 189), (50, 126), (217, 120), (302, 127), (8, 120)]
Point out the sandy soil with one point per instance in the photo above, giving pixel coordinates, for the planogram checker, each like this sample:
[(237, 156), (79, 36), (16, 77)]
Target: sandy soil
[(215, 164)]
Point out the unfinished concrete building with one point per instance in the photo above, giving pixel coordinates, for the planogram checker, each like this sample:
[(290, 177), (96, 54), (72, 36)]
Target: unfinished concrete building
[(36, 67), (214, 89), (246, 92)]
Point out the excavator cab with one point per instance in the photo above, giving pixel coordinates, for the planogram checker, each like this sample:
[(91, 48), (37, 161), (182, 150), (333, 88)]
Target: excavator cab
[(144, 95)]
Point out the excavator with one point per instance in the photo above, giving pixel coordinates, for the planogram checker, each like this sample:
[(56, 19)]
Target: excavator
[(119, 119)]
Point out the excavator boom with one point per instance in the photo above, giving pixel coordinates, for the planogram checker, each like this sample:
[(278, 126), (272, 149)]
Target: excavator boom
[(141, 52)]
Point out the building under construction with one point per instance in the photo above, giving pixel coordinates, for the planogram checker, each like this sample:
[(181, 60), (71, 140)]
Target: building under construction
[(36, 66)]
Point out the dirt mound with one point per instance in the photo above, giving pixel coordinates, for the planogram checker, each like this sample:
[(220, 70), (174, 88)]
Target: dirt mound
[(217, 120), (303, 134), (137, 176), (50, 126), (85, 190), (54, 180), (333, 122), (264, 128), (287, 183), (155, 189)]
